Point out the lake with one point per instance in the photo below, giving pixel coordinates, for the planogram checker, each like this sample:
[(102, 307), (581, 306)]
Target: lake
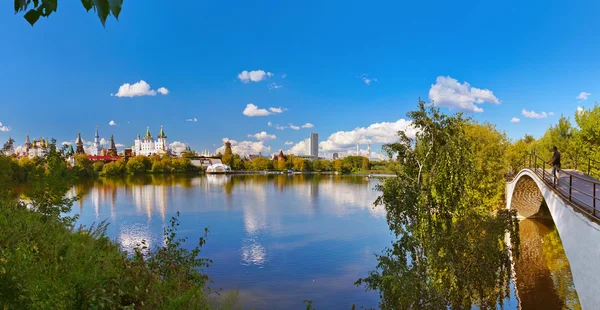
[(279, 240)]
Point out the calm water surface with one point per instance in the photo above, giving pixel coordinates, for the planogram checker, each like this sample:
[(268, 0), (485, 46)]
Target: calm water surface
[(282, 239)]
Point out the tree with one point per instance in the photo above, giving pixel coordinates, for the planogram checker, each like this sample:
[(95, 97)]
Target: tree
[(365, 164), (44, 8), (138, 164), (228, 156), (261, 163), (451, 250), (281, 163), (300, 164)]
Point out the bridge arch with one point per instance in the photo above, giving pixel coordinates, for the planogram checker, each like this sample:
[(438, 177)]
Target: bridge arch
[(526, 198), (579, 234)]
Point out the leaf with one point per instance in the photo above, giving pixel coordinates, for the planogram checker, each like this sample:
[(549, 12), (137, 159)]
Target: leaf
[(32, 16), (20, 5), (115, 7), (103, 10), (51, 6), (87, 4)]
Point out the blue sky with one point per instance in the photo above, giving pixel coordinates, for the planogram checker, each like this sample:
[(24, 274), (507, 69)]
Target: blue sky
[(56, 78)]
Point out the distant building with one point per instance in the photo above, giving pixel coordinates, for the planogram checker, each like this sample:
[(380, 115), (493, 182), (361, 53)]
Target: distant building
[(218, 168), (96, 148), (276, 157), (112, 150), (79, 145), (336, 156), (147, 146), (37, 148), (312, 145)]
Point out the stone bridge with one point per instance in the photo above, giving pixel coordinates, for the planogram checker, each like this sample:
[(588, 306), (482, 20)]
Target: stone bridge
[(571, 204)]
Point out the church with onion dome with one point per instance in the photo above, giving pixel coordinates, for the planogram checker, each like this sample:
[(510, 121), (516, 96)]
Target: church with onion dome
[(148, 146)]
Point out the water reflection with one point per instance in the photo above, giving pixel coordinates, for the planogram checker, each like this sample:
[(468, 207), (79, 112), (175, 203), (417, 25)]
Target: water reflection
[(302, 236), (543, 274), (281, 239)]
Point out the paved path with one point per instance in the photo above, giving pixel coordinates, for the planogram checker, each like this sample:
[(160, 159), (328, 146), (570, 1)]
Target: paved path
[(582, 191)]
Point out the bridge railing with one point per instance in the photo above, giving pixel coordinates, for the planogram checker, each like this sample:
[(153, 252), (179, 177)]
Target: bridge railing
[(593, 168), (583, 196)]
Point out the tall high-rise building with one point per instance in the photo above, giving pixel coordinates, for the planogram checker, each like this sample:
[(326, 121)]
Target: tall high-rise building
[(311, 145), (314, 144)]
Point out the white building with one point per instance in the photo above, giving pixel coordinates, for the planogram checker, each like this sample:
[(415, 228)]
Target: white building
[(96, 148), (37, 148), (312, 145), (148, 146)]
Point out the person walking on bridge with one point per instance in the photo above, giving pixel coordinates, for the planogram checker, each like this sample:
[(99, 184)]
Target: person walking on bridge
[(555, 162)]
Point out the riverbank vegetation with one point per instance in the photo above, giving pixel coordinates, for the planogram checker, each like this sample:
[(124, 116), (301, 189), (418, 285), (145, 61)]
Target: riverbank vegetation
[(48, 263), (445, 209)]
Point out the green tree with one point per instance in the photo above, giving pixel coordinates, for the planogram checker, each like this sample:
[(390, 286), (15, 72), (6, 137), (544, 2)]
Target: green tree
[(237, 162), (300, 164), (139, 164), (228, 156), (451, 250), (44, 8), (365, 164), (488, 146), (84, 165), (261, 163), (98, 166), (281, 164)]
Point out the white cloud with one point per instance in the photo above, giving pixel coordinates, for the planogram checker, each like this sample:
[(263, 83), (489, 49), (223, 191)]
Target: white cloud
[(253, 76), (120, 145), (245, 148), (532, 114), (191, 120), (112, 123), (177, 147), (449, 93), (550, 113), (163, 91), (308, 125), (366, 79), (515, 120), (277, 110), (4, 128), (292, 126), (66, 143), (283, 76), (583, 95), (140, 88), (274, 86), (262, 136), (279, 127), (384, 132), (253, 110), (269, 124), (103, 141), (298, 149), (580, 110), (289, 142)]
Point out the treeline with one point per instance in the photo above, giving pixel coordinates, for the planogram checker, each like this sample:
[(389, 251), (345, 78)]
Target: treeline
[(348, 164), (134, 165), (47, 263), (577, 139)]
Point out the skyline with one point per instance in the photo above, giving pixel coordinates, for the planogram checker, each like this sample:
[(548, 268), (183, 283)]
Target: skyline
[(348, 70)]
